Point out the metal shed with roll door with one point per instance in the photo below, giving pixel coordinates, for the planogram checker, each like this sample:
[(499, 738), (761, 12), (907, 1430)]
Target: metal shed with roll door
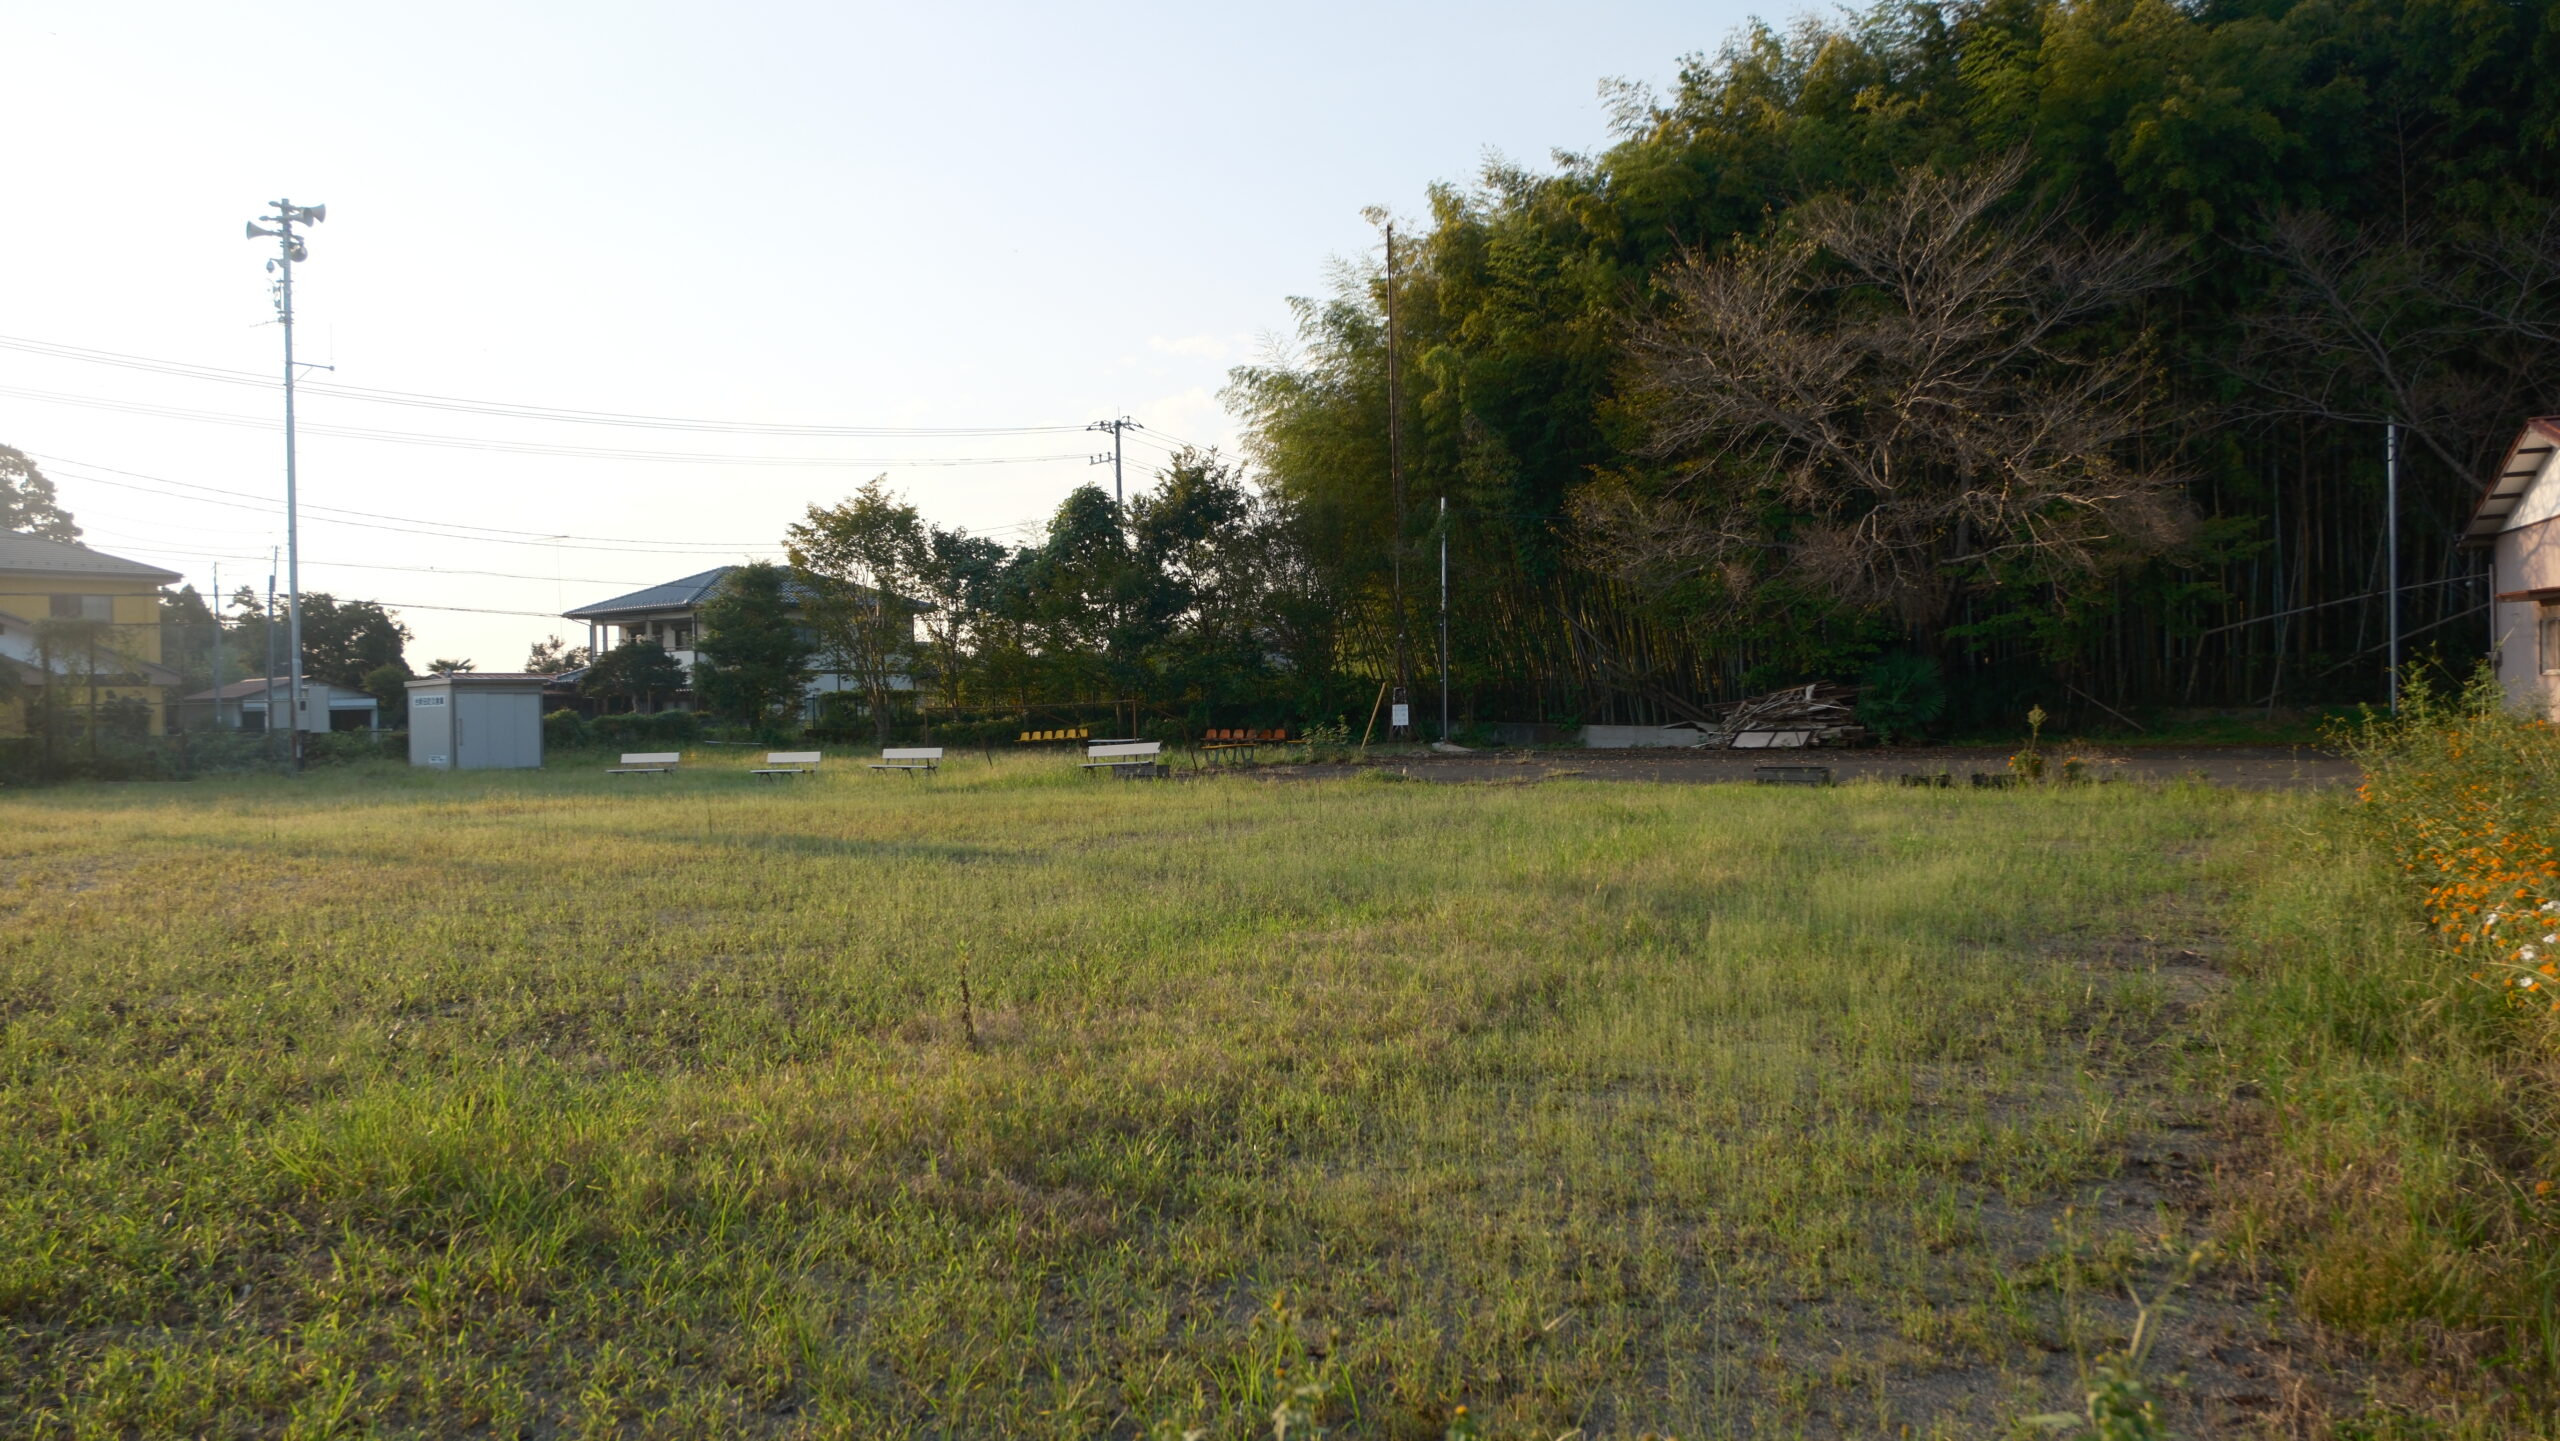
[(468, 722)]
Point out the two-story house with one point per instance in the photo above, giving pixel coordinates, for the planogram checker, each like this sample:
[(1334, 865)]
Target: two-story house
[(81, 629), (670, 615)]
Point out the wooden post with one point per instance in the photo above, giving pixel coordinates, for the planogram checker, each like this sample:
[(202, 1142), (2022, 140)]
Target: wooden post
[(1369, 729)]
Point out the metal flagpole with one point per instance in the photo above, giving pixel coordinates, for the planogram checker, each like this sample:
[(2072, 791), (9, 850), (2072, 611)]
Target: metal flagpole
[(2391, 546), (1444, 618)]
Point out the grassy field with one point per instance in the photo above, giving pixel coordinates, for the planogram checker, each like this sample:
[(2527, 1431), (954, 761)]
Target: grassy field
[(1010, 1102)]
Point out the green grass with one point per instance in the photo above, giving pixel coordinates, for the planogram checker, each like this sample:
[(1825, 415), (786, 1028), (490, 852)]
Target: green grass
[(542, 1104)]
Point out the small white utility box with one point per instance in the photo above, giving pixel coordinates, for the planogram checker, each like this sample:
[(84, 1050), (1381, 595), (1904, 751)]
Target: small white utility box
[(468, 722)]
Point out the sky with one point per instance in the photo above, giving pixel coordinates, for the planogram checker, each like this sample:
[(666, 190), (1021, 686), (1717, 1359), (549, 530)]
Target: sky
[(977, 229)]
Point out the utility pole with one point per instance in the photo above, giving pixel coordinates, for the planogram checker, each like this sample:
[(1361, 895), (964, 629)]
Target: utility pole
[(1444, 618), (271, 652), (217, 645), (289, 248), (2391, 546), (1395, 481), (1115, 426)]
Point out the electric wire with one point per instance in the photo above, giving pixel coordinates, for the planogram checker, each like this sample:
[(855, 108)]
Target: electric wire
[(451, 530), (510, 409), (310, 561), (515, 447), (71, 469)]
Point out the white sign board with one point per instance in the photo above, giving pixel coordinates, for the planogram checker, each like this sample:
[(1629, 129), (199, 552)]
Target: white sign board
[(1400, 716)]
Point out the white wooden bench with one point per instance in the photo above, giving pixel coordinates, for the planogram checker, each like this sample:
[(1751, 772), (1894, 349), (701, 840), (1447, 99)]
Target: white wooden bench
[(909, 758), (788, 763), (647, 763), (1126, 759)]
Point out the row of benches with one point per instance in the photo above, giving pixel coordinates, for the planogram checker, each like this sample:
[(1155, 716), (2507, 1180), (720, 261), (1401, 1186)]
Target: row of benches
[(1214, 739), (1124, 758)]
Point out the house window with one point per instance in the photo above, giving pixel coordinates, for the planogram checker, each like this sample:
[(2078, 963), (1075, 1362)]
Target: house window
[(83, 607), (2550, 633)]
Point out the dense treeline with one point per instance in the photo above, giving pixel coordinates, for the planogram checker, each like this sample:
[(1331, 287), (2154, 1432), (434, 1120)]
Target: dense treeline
[(2048, 346), (2053, 341), (1197, 605)]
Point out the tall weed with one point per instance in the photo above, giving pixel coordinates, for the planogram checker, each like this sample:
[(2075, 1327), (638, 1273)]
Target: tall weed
[(2399, 1034), (2464, 793)]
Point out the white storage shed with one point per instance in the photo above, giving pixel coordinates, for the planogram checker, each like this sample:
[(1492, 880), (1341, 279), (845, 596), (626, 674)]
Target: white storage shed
[(468, 722)]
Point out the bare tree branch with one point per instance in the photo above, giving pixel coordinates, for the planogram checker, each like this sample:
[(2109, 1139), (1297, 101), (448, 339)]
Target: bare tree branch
[(1896, 400)]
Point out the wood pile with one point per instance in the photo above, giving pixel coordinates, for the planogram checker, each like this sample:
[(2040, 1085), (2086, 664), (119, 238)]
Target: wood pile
[(1820, 714)]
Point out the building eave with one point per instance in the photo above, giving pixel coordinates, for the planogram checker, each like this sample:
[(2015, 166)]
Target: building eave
[(63, 560), (2524, 463)]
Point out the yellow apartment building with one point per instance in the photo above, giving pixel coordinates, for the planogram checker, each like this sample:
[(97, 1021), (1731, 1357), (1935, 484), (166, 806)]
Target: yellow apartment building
[(106, 646)]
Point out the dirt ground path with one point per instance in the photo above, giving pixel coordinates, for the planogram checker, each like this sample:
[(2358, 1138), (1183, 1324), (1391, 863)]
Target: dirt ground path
[(2246, 767)]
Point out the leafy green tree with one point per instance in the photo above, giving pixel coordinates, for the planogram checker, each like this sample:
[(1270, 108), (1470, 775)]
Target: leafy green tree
[(27, 500), (960, 581), (553, 656), (638, 672), (389, 687), (1072, 592), (861, 561), (753, 663), (342, 641), (188, 638), (1210, 560)]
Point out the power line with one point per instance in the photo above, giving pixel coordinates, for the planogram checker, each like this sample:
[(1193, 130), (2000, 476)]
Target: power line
[(609, 545), (467, 609), (563, 542), (375, 565), (511, 409), (250, 500), (517, 447)]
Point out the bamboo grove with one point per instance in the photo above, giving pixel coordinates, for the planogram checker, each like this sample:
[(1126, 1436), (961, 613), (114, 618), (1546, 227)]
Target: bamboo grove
[(2053, 342)]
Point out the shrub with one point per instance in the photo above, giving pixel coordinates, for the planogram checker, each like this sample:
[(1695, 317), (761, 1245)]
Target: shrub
[(628, 731), (327, 748), (1901, 696), (2463, 793), (564, 730)]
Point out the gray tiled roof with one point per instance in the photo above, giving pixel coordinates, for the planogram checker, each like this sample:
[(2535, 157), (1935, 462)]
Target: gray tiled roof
[(254, 685), (682, 594), (20, 551), (257, 686)]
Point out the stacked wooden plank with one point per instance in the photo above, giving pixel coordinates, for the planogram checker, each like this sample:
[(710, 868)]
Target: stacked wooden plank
[(1820, 714)]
